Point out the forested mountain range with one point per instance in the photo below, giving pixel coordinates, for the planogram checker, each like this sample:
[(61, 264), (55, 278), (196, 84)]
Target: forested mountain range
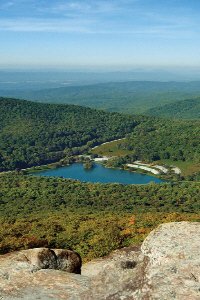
[(184, 109), (130, 97)]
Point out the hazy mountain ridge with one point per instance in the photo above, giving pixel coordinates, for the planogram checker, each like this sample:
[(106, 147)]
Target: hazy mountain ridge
[(129, 97)]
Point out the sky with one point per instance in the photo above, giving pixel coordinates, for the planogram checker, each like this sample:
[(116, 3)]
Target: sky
[(112, 33)]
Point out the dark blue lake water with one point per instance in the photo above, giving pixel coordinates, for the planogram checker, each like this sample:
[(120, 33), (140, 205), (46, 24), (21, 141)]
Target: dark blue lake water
[(99, 173)]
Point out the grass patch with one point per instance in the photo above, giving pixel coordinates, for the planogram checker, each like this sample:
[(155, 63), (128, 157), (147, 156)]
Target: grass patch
[(186, 167), (110, 149)]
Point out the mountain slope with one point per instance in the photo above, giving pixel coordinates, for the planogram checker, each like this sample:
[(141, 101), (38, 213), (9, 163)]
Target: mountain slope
[(35, 133), (166, 140), (185, 109)]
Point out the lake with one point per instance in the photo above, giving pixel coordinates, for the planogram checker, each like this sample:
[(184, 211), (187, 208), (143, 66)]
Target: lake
[(99, 173)]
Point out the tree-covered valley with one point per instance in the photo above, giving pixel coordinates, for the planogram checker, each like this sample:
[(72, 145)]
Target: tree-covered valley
[(35, 133), (93, 219)]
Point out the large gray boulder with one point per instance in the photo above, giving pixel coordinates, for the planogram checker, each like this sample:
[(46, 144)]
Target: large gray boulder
[(173, 270), (165, 267)]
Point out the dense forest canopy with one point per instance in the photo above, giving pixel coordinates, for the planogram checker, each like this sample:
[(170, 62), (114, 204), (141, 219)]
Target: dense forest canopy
[(34, 133), (157, 139), (92, 219), (184, 109), (25, 194)]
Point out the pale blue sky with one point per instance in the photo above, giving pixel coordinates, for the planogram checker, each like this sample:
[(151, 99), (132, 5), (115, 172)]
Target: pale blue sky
[(100, 33)]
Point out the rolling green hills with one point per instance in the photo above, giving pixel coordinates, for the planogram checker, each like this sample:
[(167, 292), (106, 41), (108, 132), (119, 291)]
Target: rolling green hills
[(133, 97), (185, 109)]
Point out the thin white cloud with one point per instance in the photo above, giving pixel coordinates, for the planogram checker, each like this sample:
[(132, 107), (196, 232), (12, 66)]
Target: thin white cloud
[(92, 26), (83, 7), (100, 17), (40, 25)]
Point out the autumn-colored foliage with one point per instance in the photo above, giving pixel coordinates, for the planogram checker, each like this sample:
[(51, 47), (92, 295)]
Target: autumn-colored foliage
[(92, 219)]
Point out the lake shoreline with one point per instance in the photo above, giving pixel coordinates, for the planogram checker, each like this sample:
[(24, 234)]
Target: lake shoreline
[(99, 174)]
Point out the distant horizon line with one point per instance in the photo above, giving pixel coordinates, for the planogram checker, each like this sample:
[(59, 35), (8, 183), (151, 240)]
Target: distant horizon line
[(106, 69)]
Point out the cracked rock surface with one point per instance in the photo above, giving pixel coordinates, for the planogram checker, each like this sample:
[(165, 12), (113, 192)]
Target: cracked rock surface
[(165, 267)]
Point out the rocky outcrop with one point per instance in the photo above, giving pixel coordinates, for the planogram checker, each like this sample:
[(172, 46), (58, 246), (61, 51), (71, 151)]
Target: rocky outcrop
[(38, 273), (173, 270), (165, 267)]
